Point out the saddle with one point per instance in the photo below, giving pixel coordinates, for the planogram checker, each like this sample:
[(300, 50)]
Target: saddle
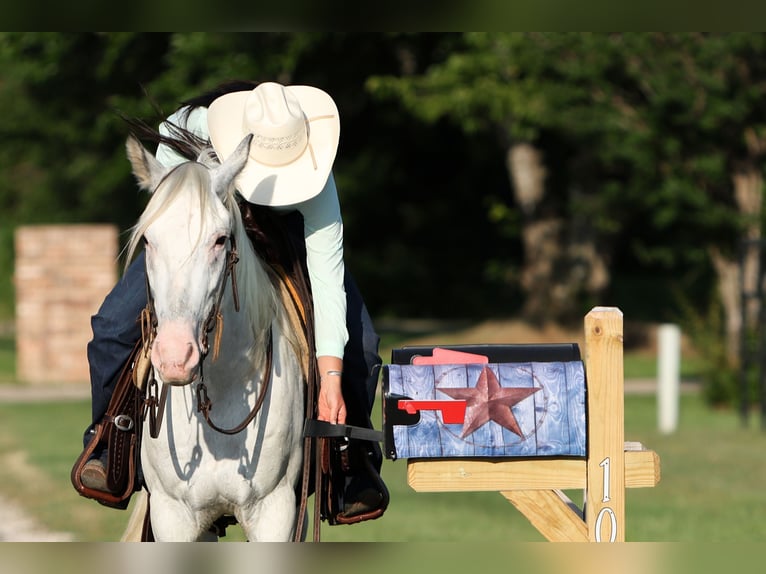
[(120, 433), (335, 456)]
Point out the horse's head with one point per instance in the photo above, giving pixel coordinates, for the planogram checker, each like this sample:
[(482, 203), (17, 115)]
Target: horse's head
[(187, 229)]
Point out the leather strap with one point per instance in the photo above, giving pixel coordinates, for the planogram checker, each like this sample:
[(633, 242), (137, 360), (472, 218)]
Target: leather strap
[(119, 431), (204, 405), (155, 407), (317, 428)]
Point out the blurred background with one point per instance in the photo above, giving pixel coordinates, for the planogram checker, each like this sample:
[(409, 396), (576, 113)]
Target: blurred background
[(481, 175), (487, 180)]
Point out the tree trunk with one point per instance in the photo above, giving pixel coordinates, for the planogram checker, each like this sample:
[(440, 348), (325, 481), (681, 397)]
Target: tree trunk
[(561, 259), (540, 234), (748, 194), (728, 272)]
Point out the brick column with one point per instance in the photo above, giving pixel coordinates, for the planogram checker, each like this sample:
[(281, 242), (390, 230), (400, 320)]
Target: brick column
[(63, 273)]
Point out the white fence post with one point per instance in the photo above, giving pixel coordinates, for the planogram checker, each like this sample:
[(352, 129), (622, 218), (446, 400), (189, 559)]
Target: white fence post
[(668, 377)]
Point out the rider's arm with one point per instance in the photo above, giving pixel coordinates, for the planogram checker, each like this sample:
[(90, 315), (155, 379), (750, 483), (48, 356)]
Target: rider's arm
[(323, 231)]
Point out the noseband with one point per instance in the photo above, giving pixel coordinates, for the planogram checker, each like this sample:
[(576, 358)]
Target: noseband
[(214, 320)]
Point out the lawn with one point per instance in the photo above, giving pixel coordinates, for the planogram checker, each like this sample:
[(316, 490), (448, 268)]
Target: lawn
[(711, 487)]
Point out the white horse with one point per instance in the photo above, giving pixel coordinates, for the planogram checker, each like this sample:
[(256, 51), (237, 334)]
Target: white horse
[(195, 473)]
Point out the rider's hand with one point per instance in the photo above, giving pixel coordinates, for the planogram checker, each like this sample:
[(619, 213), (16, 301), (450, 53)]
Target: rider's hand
[(330, 404)]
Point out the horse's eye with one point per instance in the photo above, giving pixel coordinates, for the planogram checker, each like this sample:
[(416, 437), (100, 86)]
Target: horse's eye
[(221, 241)]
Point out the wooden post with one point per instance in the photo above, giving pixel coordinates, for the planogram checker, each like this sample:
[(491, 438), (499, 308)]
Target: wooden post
[(605, 499), (551, 512), (668, 377)]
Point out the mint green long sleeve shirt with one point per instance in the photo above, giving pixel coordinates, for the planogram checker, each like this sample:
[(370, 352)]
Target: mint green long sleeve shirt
[(323, 233)]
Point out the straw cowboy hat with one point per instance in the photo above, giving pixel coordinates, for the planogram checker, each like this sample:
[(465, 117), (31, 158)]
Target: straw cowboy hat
[(295, 137)]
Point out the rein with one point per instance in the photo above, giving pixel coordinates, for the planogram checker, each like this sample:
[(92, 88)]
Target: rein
[(156, 406), (204, 405)]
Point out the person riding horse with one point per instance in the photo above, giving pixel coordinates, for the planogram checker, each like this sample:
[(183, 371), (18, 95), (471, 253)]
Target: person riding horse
[(296, 131)]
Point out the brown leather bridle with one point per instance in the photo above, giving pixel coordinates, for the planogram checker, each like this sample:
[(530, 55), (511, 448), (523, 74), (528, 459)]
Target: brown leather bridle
[(154, 405)]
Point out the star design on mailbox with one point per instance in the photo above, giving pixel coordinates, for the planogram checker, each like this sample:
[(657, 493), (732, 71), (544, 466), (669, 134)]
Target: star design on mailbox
[(489, 401)]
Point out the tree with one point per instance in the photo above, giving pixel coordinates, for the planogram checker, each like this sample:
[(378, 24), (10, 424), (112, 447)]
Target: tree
[(533, 94), (63, 158), (479, 170), (704, 105), (646, 145)]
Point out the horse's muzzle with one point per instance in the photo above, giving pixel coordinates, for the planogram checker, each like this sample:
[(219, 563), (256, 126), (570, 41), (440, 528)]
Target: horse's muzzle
[(176, 355)]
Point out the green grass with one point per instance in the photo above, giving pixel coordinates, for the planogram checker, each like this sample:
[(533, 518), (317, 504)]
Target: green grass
[(39, 443), (644, 366), (711, 487), (7, 359)]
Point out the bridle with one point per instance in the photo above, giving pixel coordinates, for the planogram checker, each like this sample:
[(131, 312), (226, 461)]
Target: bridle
[(215, 318), (156, 405)]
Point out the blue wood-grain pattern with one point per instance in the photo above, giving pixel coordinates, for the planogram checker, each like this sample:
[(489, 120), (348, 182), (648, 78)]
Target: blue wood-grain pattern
[(551, 420)]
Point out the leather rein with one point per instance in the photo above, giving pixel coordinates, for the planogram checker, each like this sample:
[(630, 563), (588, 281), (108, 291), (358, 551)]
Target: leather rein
[(154, 404)]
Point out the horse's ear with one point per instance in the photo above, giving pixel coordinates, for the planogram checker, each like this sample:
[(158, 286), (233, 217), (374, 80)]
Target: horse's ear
[(148, 171), (225, 173)]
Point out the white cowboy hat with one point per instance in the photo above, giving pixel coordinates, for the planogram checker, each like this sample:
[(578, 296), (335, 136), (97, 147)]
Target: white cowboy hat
[(295, 130)]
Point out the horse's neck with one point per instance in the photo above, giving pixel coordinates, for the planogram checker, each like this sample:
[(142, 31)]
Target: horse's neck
[(239, 349)]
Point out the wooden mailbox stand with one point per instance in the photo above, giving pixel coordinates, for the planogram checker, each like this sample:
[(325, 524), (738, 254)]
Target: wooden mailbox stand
[(534, 486)]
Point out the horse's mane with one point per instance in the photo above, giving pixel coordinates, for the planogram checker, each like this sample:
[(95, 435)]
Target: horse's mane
[(257, 295), (183, 141)]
